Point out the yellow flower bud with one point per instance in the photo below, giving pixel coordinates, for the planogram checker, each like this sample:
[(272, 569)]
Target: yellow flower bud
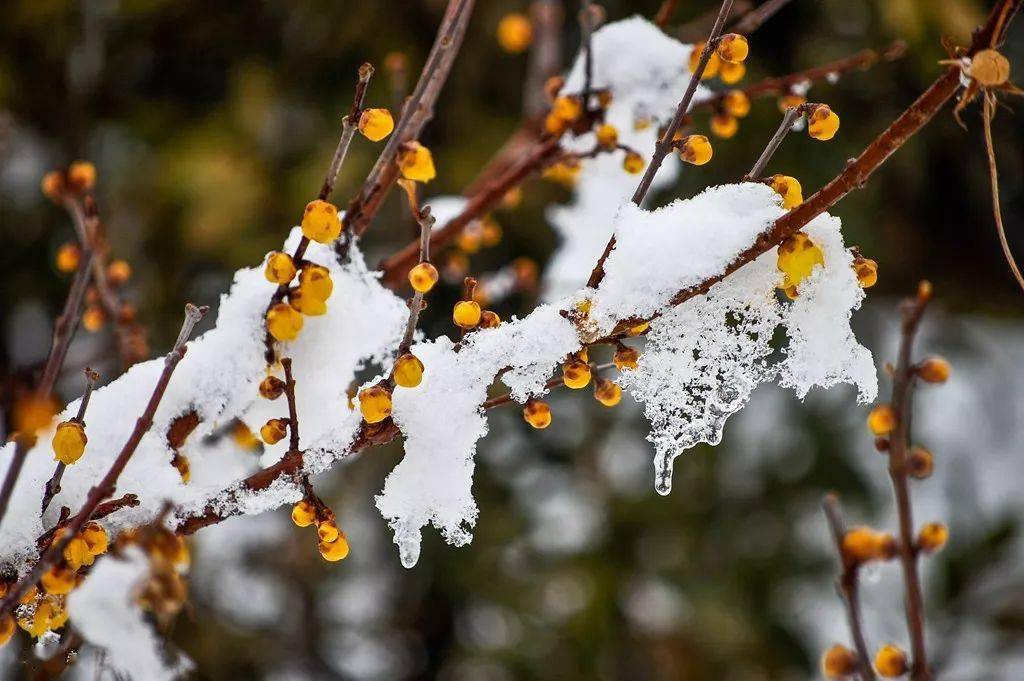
[(607, 393), (77, 553), (376, 124), (304, 513), (423, 276), (537, 413), (183, 466), (838, 662), (882, 420), (933, 370), (95, 538), (375, 403), (335, 550), (932, 537), (607, 136), (81, 176), (490, 232), (118, 272), (733, 48), (320, 222), (626, 357), (416, 162), (466, 314), (732, 73), (638, 329), (315, 281), (93, 318), (576, 374), (327, 531), (515, 33), (68, 256), (714, 63), (489, 320), (280, 268), (563, 173), (48, 615), (989, 68), (633, 163), (567, 108), (58, 580), (408, 371), (736, 103), (724, 125), (862, 544), (789, 189), (866, 270), (797, 258), (274, 430), (555, 125), (284, 322), (696, 149), (822, 123), (69, 442), (891, 662), (791, 101)]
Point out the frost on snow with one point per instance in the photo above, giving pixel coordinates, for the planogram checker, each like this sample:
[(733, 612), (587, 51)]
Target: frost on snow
[(704, 358), (105, 612)]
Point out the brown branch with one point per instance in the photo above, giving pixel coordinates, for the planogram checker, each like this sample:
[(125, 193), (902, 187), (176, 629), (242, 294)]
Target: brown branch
[(545, 55), (664, 145), (52, 487), (396, 267), (847, 586), (108, 483), (696, 28), (993, 175), (664, 14), (418, 110), (293, 412), (752, 20), (426, 221), (781, 85), (903, 384)]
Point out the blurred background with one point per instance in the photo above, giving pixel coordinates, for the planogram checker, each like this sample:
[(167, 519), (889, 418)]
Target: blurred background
[(211, 125)]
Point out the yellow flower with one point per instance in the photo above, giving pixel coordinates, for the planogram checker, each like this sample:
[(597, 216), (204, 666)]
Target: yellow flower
[(882, 420), (823, 123), (724, 126), (423, 277), (81, 176), (77, 553), (934, 370), (58, 581), (408, 371), (375, 403), (891, 662), (867, 271), (732, 73), (714, 62), (489, 319), (789, 189), (736, 103), (607, 393), (284, 322), (733, 48), (607, 136), (932, 537), (95, 538), (838, 662), (576, 374), (567, 108), (798, 256), (633, 163), (696, 149), (626, 357), (537, 413), (515, 33), (69, 442), (280, 268), (320, 222), (335, 550), (68, 256), (466, 314), (416, 162), (376, 124), (303, 514), (273, 431)]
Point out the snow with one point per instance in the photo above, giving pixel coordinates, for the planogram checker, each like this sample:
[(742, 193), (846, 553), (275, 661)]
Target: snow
[(103, 610)]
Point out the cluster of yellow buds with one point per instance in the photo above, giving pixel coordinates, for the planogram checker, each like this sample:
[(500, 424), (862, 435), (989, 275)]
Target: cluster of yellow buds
[(797, 258), (376, 124), (788, 188), (416, 163), (863, 544), (69, 441), (331, 541), (726, 61), (309, 297), (515, 32), (165, 591), (315, 287), (565, 111), (537, 413), (695, 149), (79, 178), (40, 613), (485, 232), (565, 172)]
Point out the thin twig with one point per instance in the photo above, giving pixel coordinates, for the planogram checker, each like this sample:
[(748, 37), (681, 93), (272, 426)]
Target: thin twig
[(903, 384), (108, 483), (506, 398), (293, 413), (773, 144), (426, 222), (52, 487), (545, 58), (664, 145), (847, 586), (587, 29), (752, 20), (664, 14), (993, 174), (349, 124)]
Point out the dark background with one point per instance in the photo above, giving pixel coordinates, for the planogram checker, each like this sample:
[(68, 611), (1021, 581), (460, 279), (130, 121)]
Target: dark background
[(211, 125)]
